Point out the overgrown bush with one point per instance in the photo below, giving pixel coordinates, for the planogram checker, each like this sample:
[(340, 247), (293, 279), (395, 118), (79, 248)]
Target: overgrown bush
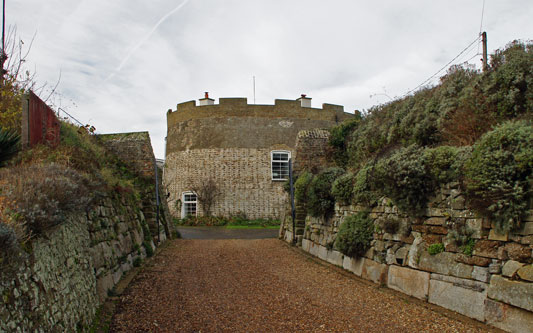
[(509, 83), (342, 188), (41, 195), (9, 145), (339, 138), (499, 173), (441, 163), (320, 200), (363, 192), (403, 178), (466, 104), (301, 186), (355, 235)]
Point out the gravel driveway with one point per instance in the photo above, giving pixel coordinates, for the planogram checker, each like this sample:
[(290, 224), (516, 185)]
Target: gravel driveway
[(263, 285)]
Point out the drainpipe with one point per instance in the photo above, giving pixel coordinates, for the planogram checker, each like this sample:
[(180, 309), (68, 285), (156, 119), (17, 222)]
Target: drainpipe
[(157, 202), (293, 211)]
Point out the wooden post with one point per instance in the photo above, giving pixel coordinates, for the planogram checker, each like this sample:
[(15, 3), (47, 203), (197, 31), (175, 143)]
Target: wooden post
[(484, 42)]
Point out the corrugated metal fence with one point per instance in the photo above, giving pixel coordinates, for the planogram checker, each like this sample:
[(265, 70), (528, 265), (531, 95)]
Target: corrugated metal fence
[(39, 122)]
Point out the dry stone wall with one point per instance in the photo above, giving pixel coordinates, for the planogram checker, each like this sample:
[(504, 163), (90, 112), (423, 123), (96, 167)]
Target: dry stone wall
[(60, 279), (493, 283), (135, 150)]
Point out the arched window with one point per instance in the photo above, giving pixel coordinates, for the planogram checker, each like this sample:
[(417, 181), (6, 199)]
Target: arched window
[(280, 164), (189, 204)]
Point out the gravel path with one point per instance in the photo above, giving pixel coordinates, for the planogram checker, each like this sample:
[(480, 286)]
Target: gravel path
[(265, 286)]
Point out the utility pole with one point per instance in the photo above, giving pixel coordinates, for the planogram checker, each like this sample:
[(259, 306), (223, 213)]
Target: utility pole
[(484, 42), (3, 55)]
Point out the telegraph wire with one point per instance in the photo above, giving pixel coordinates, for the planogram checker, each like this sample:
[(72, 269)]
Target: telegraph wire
[(444, 67)]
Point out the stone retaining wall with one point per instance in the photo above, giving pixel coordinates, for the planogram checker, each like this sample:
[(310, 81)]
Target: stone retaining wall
[(60, 279), (494, 284)]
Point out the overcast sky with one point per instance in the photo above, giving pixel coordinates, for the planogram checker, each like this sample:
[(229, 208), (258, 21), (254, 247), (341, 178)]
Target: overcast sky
[(124, 63)]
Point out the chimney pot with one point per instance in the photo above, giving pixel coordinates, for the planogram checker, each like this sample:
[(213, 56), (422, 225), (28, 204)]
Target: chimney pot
[(206, 94)]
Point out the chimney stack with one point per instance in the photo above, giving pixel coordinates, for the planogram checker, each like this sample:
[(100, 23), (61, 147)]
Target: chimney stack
[(305, 101), (206, 100)]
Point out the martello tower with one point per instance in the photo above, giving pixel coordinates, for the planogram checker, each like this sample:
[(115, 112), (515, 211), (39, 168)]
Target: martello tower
[(242, 149)]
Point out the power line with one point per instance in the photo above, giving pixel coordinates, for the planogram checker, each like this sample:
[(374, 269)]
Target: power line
[(443, 67)]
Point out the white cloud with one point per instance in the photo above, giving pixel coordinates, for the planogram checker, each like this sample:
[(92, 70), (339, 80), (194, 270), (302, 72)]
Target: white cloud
[(338, 51)]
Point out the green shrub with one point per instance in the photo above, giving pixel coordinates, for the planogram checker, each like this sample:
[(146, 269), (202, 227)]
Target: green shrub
[(468, 247), (499, 173), (9, 145), (148, 247), (441, 163), (137, 262), (342, 188), (355, 235), (509, 83), (340, 136), (434, 249), (363, 191), (320, 200), (403, 178), (301, 186)]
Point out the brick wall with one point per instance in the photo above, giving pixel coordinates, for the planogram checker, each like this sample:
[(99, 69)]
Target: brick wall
[(243, 176), (231, 142), (312, 151)]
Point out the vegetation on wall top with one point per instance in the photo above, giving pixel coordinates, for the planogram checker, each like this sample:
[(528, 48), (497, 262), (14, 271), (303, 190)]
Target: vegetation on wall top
[(473, 128)]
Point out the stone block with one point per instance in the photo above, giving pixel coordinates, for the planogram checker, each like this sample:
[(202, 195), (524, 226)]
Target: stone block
[(473, 260), (409, 281), (526, 240), (401, 255), (487, 248), (354, 265), (481, 274), (495, 268), (335, 258), (526, 229), (518, 252), (313, 250), (415, 252), (511, 267), (507, 317), (436, 212), (430, 239), (460, 295), (526, 273), (519, 294), (436, 221), (306, 244), (104, 284), (476, 225), (374, 271), (444, 263), (322, 252), (438, 230), (458, 203), (494, 235)]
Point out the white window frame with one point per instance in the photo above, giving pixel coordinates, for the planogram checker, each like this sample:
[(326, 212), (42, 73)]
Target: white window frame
[(185, 203), (272, 161)]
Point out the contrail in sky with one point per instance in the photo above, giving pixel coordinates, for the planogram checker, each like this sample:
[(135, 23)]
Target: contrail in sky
[(142, 41)]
